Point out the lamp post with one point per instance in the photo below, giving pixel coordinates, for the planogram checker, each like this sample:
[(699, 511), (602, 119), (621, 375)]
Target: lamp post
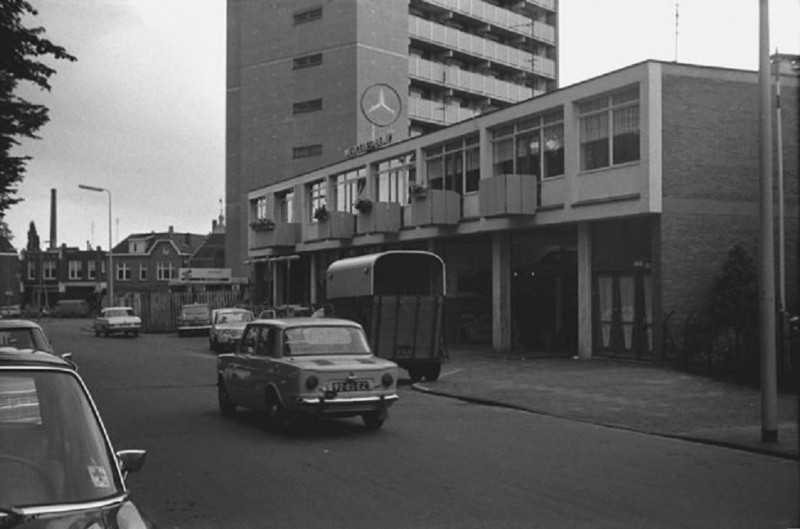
[(110, 248)]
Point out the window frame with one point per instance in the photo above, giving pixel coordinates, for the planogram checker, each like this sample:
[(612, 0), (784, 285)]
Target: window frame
[(348, 187), (455, 170), (306, 151), (307, 107), (534, 128), (123, 272), (74, 269), (600, 115), (305, 16), (317, 195), (394, 176), (307, 61)]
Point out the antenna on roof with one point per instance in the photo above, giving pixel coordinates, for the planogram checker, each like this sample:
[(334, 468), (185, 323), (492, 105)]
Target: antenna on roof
[(676, 31)]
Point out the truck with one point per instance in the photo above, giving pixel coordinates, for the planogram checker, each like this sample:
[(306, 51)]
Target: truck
[(398, 297)]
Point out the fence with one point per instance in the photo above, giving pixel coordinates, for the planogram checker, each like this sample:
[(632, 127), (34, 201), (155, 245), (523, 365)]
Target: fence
[(159, 310)]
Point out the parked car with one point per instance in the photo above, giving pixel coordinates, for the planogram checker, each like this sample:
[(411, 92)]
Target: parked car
[(117, 320), (26, 335), (227, 326), (57, 464), (305, 367), (194, 318)]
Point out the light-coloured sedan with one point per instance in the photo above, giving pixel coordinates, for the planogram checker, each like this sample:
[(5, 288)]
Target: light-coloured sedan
[(305, 367), (117, 320), (227, 326)]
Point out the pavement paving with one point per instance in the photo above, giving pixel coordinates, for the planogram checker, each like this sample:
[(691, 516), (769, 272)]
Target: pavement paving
[(642, 397)]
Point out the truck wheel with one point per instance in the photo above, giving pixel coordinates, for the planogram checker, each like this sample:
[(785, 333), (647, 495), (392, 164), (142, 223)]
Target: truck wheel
[(226, 407), (415, 373), (433, 371), (373, 420)]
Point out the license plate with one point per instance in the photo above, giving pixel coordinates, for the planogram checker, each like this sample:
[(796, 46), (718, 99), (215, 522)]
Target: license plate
[(352, 385)]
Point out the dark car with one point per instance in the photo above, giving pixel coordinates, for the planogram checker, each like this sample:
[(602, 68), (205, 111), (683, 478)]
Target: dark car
[(57, 464), (194, 318)]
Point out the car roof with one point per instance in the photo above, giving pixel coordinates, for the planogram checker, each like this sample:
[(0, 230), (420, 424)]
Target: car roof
[(118, 308), (287, 323), (232, 309), (10, 356), (19, 324)]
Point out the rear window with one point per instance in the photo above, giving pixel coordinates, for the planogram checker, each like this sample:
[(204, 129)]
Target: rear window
[(195, 311), (324, 340)]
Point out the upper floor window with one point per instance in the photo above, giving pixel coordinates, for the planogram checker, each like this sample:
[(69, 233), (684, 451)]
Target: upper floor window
[(123, 272), (142, 272), (284, 206), (258, 208), (307, 15), (392, 178), (75, 268), (454, 165), (91, 270), (609, 130), (304, 107), (316, 197), (533, 146), (31, 270), (307, 151), (49, 271), (136, 246), (165, 271), (348, 188), (306, 61)]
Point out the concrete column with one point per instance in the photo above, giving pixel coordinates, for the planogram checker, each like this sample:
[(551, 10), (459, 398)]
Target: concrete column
[(501, 292), (584, 290), (313, 279), (276, 287)]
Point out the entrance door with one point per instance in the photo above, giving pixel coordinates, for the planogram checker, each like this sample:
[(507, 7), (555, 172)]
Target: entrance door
[(623, 313)]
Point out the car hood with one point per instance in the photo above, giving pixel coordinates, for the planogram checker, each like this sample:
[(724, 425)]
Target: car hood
[(123, 515), (341, 362)]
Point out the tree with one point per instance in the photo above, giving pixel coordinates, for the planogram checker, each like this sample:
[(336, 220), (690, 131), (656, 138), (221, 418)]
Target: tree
[(19, 118), (5, 231), (33, 239)]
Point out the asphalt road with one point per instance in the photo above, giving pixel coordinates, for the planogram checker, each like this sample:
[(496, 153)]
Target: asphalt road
[(437, 463)]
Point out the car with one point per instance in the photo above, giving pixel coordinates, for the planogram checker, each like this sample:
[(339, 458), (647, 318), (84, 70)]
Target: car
[(194, 318), (29, 336), (295, 368), (58, 466), (227, 326), (117, 320), (10, 311)]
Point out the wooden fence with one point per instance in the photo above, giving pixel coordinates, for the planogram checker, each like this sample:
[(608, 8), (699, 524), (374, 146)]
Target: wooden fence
[(159, 310)]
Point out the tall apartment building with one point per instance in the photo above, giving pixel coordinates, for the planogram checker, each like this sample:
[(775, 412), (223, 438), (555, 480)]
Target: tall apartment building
[(311, 80)]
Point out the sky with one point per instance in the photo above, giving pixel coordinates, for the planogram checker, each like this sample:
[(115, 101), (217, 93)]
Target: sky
[(142, 111)]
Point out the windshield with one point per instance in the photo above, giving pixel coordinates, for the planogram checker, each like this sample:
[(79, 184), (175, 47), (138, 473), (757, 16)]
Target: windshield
[(24, 338), (52, 448), (195, 311), (319, 340), (235, 317), (114, 313)]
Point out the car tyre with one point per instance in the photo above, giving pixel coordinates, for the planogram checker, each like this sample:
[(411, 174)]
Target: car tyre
[(226, 406), (373, 420), (276, 414), (415, 373), (433, 371)]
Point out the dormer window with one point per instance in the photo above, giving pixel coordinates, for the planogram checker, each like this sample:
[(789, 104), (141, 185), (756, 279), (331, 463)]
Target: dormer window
[(136, 246)]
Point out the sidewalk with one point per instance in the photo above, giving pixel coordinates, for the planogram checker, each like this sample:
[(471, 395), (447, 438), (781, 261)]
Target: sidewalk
[(621, 394)]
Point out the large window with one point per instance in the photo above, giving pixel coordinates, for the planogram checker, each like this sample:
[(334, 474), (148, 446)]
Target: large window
[(454, 165), (348, 188), (49, 270), (304, 107), (307, 151), (284, 206), (307, 15), (316, 198), (609, 130), (165, 271), (393, 176), (258, 208), (31, 270), (533, 146), (306, 61), (75, 269), (123, 272), (91, 270)]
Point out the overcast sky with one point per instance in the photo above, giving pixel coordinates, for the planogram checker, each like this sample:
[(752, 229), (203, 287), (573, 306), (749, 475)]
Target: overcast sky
[(142, 112)]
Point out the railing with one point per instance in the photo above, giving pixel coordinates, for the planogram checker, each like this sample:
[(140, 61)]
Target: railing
[(438, 112), (498, 16), (454, 77), (455, 39)]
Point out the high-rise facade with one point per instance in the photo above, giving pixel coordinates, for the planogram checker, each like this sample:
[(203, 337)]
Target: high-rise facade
[(309, 81)]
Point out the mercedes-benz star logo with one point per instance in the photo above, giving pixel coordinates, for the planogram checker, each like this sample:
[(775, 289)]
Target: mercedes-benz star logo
[(381, 104)]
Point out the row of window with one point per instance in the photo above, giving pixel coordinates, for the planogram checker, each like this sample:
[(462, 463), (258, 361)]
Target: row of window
[(609, 135), (165, 271)]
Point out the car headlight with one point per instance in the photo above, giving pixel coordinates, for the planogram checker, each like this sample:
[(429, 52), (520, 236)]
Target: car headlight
[(312, 382), (387, 380)]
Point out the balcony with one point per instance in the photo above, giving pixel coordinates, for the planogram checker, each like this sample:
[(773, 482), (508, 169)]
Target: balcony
[(507, 195), (338, 225), (500, 17), (435, 207), (281, 234), (454, 77), (383, 217), (438, 112)]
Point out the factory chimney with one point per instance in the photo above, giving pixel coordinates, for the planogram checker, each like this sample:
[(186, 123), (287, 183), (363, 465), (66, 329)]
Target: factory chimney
[(53, 237)]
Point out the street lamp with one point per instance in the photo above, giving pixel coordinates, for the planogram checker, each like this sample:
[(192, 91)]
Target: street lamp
[(110, 248)]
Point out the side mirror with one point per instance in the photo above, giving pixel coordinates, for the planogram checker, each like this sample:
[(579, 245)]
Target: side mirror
[(131, 460)]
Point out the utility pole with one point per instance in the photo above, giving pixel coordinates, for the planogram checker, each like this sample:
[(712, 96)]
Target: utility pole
[(769, 378)]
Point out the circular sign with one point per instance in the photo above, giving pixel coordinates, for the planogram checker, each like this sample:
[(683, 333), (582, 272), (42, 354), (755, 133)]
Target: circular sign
[(381, 104)]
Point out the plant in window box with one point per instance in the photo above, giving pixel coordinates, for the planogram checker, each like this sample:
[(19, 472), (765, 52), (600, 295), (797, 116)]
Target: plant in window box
[(416, 190), (364, 205), (321, 213), (263, 224)]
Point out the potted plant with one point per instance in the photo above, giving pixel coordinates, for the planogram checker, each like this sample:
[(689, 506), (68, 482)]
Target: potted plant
[(321, 213), (263, 224), (416, 190), (364, 205)]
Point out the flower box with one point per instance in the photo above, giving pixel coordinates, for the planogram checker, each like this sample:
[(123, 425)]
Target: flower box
[(383, 217), (507, 195)]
